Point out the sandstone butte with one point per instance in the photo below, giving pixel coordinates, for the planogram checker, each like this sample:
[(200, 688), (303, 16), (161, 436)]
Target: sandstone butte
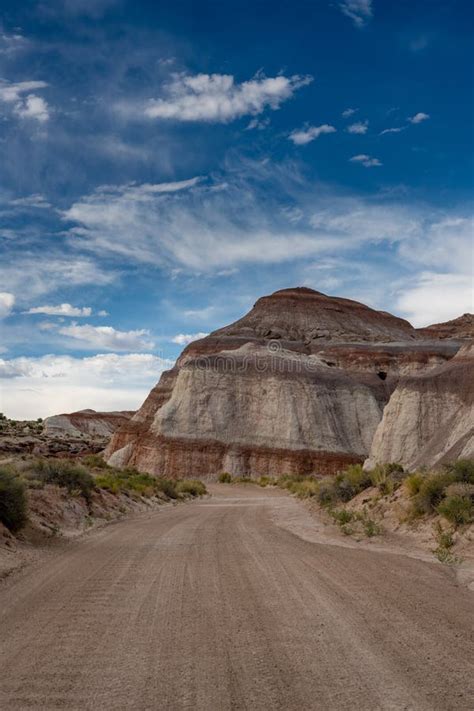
[(306, 384)]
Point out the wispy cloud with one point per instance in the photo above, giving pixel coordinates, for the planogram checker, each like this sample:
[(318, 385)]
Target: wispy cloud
[(359, 127), (61, 310), (107, 337), (218, 98), (359, 11), (182, 339), (305, 135), (365, 160), (419, 117), (392, 130), (348, 112)]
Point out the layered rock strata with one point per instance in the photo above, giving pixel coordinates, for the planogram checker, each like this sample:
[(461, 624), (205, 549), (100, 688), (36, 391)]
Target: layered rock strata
[(298, 385)]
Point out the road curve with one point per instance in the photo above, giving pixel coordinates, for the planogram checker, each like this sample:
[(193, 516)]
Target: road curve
[(211, 606)]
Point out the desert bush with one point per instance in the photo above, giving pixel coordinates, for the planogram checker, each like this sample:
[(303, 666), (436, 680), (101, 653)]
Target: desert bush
[(462, 470), (342, 517), (387, 477), (193, 487), (13, 501), (95, 461), (371, 528), (413, 483), (266, 481), (458, 510), (64, 473), (305, 488), (431, 492), (326, 494), (225, 478), (109, 482), (460, 488)]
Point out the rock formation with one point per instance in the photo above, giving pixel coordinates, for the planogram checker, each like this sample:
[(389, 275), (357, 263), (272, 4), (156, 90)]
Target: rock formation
[(88, 422), (429, 419), (298, 385)]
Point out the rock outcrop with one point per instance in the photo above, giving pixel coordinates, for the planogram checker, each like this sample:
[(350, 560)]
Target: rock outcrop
[(460, 328), (298, 385), (429, 419), (87, 422)]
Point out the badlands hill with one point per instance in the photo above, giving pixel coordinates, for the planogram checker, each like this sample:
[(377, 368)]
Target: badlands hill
[(87, 422), (298, 385)]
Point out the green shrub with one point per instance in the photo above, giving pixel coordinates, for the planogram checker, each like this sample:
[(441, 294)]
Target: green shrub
[(13, 502), (109, 482), (370, 527), (431, 491), (327, 493), (387, 477), (413, 483), (193, 487), (462, 470), (64, 473), (304, 489), (95, 461), (460, 488), (225, 478), (167, 487), (266, 481), (342, 517), (458, 510)]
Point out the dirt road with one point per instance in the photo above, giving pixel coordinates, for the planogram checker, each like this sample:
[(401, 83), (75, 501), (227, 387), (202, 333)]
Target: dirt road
[(211, 606)]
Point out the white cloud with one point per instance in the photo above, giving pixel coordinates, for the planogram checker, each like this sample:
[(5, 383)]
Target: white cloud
[(309, 133), (348, 112), (34, 107), (392, 130), (61, 310), (31, 106), (419, 117), (182, 339), (434, 298), (88, 336), (7, 301), (365, 160), (359, 11), (217, 98), (51, 384), (359, 127)]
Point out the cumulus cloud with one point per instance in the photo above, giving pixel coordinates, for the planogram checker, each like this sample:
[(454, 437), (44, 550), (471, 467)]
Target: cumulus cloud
[(435, 297), (309, 133), (392, 130), (46, 385), (419, 117), (107, 337), (30, 106), (348, 112), (7, 301), (182, 339), (359, 11), (218, 98), (61, 310), (365, 160), (358, 127)]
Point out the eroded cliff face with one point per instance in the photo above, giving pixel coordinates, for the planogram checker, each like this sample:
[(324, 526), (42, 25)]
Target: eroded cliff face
[(298, 385), (429, 419)]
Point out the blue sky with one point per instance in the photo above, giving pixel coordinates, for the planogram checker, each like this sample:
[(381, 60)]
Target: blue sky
[(162, 165)]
